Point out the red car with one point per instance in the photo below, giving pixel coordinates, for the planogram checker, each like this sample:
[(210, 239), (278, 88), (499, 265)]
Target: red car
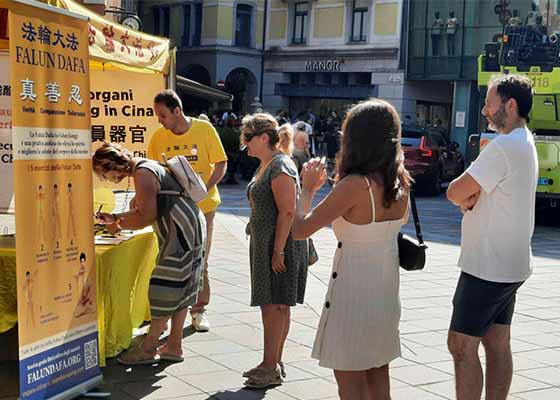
[(430, 158)]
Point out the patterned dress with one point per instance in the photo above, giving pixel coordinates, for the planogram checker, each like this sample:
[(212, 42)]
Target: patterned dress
[(181, 230), (267, 287)]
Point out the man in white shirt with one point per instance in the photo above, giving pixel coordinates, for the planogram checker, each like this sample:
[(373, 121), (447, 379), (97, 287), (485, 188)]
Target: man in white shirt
[(497, 196)]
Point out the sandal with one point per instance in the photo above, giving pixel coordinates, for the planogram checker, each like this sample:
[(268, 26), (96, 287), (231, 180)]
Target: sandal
[(263, 378), (282, 369), (138, 357), (247, 374)]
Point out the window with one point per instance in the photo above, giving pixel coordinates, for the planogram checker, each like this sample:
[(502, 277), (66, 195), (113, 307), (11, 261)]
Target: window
[(300, 22), (294, 78), (243, 25), (165, 22), (161, 20), (186, 24), (362, 78), (155, 13), (324, 78), (197, 33), (359, 21)]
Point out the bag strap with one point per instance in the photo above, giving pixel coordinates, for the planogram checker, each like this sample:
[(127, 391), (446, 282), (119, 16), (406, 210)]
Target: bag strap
[(170, 192), (415, 217)]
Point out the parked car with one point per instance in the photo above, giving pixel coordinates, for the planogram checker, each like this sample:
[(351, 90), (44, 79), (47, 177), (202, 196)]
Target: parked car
[(430, 158)]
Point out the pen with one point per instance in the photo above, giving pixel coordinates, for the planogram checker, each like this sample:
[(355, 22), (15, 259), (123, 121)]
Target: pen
[(100, 207)]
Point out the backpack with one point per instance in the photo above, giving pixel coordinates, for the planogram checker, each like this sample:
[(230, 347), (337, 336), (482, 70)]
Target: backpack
[(193, 186)]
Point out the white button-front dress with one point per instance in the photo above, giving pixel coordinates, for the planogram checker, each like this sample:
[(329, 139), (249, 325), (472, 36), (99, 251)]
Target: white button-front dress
[(359, 325)]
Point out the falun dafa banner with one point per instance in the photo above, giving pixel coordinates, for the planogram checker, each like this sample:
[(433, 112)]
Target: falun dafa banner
[(56, 294), (115, 43)]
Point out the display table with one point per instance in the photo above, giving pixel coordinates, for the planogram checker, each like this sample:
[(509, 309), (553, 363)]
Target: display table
[(123, 277)]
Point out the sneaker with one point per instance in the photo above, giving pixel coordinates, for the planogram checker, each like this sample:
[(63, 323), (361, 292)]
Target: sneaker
[(200, 322)]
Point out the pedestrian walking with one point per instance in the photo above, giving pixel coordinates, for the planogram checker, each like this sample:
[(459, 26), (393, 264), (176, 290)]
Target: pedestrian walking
[(199, 142), (301, 153), (278, 262), (358, 333), (497, 195)]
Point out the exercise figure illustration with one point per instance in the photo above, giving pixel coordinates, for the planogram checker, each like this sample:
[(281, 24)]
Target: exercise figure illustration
[(71, 231), (55, 216), (28, 285), (41, 223)]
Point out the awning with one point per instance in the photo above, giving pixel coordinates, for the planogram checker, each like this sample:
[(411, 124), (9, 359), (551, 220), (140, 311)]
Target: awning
[(201, 91)]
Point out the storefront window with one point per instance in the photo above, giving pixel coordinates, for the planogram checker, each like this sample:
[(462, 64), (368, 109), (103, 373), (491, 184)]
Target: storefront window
[(447, 36), (434, 115)]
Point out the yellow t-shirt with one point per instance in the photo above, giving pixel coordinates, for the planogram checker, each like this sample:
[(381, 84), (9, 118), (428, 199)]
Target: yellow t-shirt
[(201, 145)]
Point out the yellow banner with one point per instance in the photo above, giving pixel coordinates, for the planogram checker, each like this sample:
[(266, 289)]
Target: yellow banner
[(122, 110), (113, 42), (55, 256), (6, 167)]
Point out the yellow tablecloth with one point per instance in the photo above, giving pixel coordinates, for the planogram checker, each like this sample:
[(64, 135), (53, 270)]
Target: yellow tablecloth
[(123, 277)]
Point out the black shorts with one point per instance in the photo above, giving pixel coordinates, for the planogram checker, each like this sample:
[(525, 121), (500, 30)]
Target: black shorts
[(478, 304)]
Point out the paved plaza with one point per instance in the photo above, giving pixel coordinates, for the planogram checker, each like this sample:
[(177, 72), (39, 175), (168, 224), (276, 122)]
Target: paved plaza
[(214, 360)]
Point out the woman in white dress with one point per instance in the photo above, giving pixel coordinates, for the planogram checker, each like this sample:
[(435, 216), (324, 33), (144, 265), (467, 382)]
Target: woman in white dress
[(358, 334)]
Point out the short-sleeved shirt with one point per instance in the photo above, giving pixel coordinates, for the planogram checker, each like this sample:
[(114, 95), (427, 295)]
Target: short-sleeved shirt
[(496, 234), (452, 24), (437, 26), (201, 145)]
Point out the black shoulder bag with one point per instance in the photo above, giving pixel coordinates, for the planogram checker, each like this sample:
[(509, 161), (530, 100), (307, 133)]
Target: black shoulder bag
[(412, 253)]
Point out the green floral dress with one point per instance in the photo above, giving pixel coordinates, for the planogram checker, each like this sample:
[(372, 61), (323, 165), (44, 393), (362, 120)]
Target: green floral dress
[(267, 287)]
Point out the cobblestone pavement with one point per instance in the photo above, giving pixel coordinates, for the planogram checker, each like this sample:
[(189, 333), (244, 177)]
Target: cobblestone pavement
[(214, 360)]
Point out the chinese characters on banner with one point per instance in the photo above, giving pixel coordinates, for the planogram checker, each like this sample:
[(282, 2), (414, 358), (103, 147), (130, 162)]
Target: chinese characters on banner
[(55, 257), (6, 169), (121, 44), (122, 110)]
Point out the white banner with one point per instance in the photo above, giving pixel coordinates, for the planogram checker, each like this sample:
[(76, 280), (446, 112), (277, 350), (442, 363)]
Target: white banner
[(51, 143), (6, 161)]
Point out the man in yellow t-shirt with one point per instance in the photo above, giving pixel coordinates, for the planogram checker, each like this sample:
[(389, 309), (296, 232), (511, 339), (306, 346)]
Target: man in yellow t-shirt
[(199, 142)]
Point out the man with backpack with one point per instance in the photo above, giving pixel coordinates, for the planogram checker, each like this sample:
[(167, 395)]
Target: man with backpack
[(199, 142)]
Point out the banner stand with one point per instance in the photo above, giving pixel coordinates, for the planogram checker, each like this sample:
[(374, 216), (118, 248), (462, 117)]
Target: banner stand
[(55, 257)]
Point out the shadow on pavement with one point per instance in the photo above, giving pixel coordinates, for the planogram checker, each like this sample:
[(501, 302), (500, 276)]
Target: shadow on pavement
[(241, 394)]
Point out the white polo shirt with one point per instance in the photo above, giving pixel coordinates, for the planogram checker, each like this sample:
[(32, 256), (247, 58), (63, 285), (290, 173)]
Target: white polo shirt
[(496, 234)]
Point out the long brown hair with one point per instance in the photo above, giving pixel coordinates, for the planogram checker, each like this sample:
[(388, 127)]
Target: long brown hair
[(371, 146)]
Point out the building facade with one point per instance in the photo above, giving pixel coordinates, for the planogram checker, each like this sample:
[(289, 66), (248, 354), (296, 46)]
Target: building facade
[(445, 38), (219, 43), (111, 9), (324, 55)]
